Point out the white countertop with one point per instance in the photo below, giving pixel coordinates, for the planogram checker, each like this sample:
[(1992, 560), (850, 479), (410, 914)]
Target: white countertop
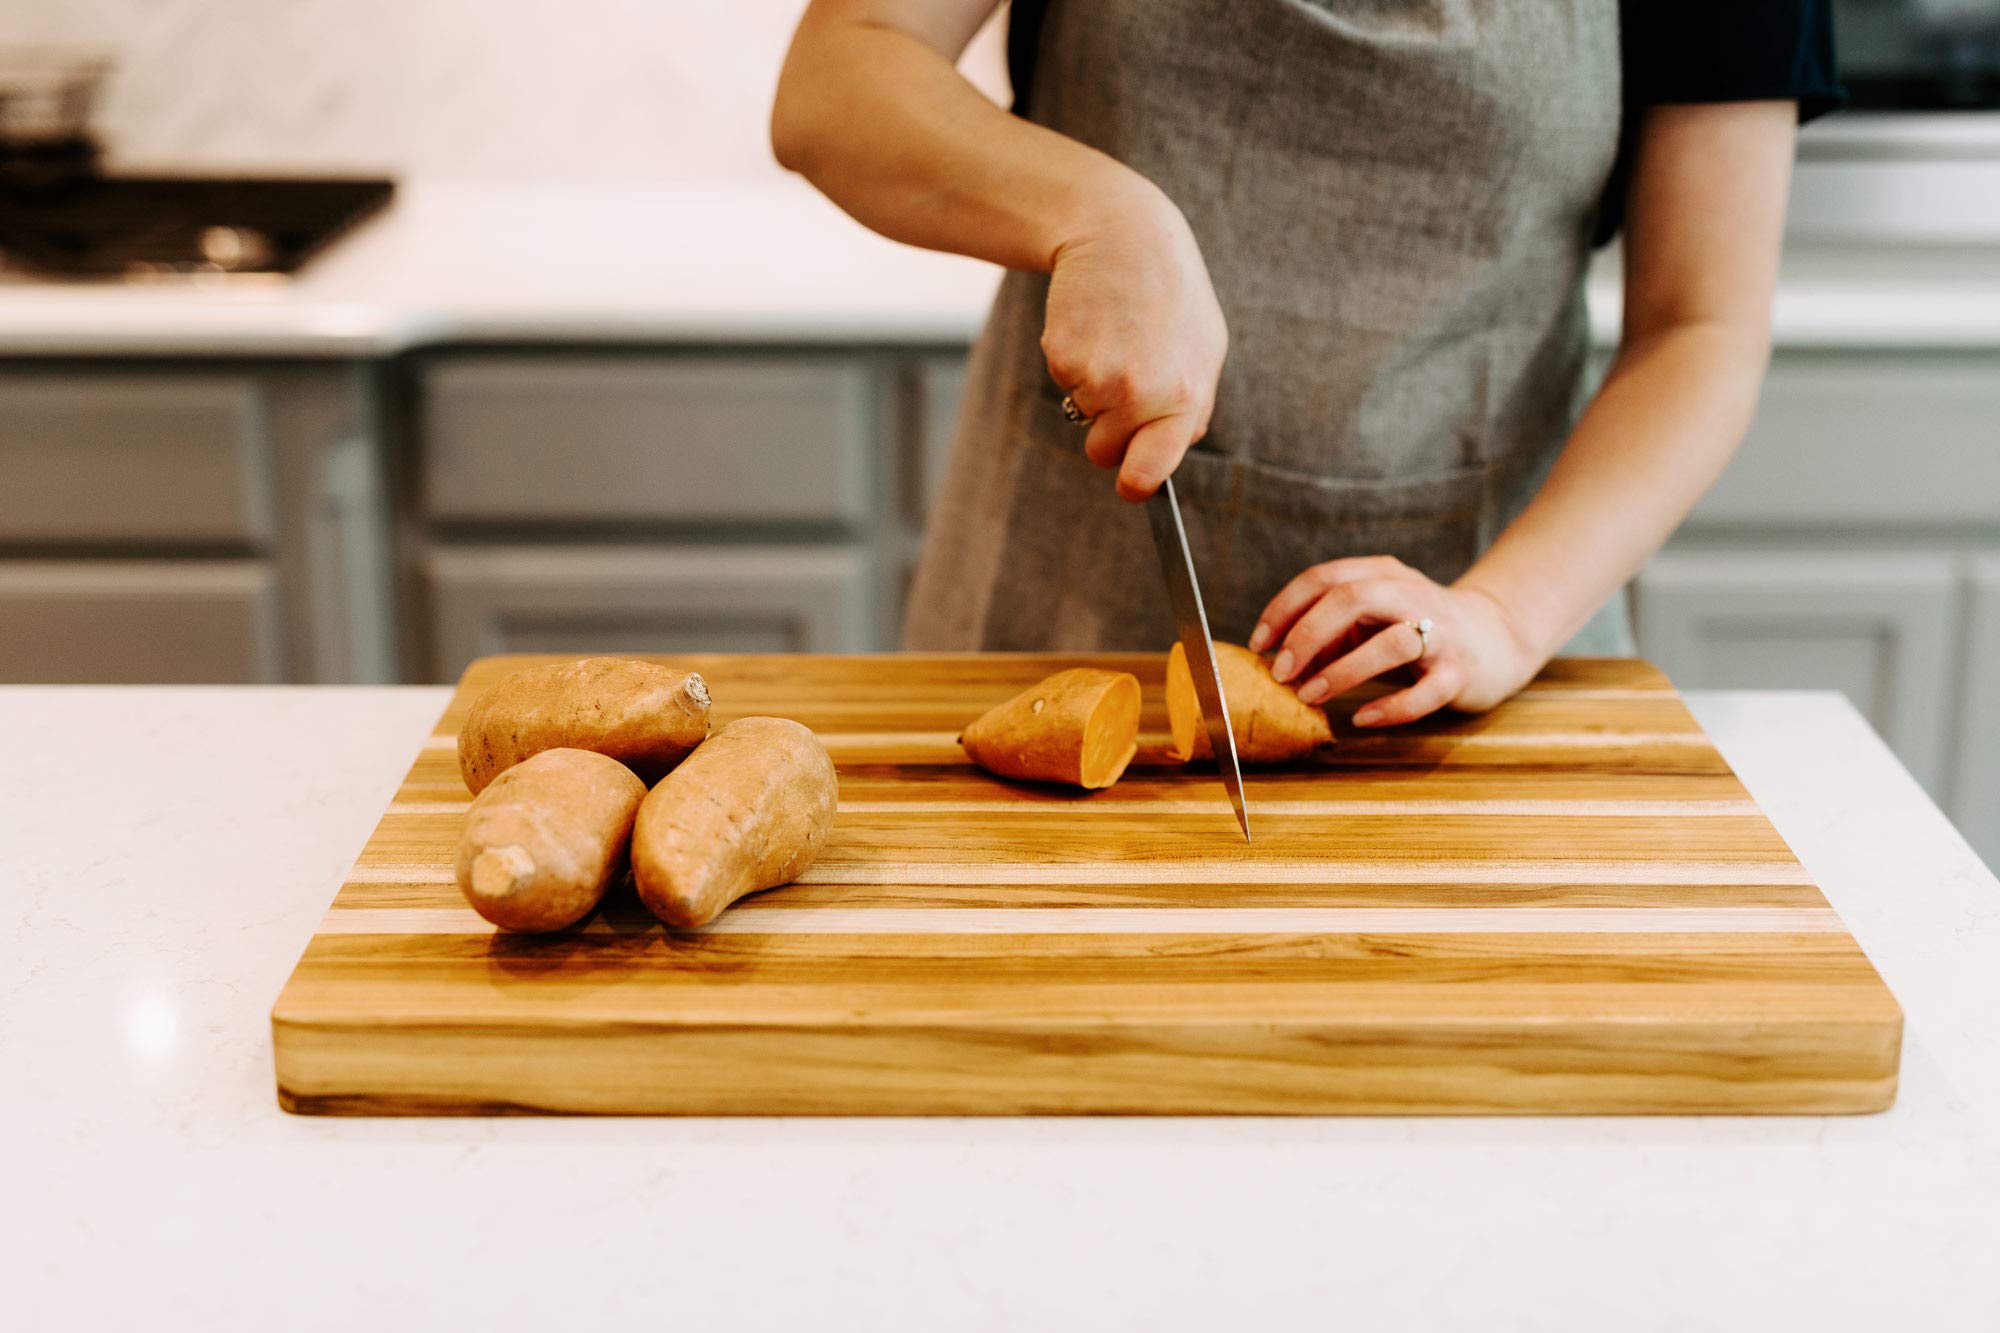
[(168, 852), (767, 263)]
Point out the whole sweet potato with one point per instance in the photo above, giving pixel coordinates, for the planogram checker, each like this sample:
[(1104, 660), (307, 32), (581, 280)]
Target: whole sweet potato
[(647, 717), (546, 838), (749, 810)]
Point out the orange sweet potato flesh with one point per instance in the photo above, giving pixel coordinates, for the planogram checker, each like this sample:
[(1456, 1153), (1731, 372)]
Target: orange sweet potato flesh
[(1079, 727), (646, 716), (750, 809), (546, 838), (1272, 724)]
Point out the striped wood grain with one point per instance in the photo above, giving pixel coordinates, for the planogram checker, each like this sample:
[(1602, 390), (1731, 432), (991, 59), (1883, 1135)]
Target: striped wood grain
[(1567, 905)]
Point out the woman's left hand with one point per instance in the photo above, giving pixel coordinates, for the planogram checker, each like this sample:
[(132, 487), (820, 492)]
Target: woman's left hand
[(1347, 621)]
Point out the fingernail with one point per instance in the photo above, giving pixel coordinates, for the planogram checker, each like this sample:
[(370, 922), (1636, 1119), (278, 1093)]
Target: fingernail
[(1313, 691), (1282, 667), (1366, 717), (1259, 637)]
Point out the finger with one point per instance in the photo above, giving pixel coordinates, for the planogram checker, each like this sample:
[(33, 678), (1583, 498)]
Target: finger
[(1305, 589), (1397, 645), (1109, 438), (1153, 453), (1339, 609), (1439, 686)]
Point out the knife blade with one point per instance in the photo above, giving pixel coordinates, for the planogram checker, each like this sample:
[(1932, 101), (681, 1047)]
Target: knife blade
[(1163, 511)]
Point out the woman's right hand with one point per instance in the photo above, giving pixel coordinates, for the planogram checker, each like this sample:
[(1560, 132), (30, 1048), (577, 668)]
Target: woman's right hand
[(1135, 336)]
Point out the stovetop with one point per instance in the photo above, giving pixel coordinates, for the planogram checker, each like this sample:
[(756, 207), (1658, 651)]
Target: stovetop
[(137, 227)]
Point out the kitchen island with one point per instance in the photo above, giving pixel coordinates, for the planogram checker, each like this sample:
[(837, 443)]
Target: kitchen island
[(172, 849)]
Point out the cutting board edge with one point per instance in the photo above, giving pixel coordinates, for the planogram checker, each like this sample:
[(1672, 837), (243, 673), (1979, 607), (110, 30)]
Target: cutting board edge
[(1844, 1067)]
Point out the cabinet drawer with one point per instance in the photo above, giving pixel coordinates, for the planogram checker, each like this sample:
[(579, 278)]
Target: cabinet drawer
[(1877, 628), (1868, 438), (648, 599), (784, 439), (138, 622), (117, 458)]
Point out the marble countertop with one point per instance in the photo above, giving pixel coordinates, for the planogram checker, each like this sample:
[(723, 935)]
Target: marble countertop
[(766, 263), (170, 850)]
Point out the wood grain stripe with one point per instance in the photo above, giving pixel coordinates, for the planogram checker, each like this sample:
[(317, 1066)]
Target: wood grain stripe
[(1234, 872), (752, 920), (1112, 805)]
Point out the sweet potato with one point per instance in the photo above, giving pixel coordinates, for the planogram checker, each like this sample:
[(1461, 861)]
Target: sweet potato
[(645, 716), (546, 838), (1079, 726), (749, 810), (1272, 724)]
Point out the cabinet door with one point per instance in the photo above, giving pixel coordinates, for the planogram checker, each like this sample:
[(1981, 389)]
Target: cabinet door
[(138, 622), (93, 457), (1867, 438), (607, 438), (1976, 792), (1876, 628), (648, 599)]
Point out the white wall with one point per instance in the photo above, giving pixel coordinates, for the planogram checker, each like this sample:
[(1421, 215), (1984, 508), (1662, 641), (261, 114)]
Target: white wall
[(574, 89)]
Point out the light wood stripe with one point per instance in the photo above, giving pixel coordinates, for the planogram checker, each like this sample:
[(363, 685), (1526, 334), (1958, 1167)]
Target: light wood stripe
[(751, 920), (1258, 805), (1236, 872), (1587, 740), (1112, 805), (1310, 872)]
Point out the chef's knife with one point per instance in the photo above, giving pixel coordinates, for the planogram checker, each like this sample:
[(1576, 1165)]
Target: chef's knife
[(1164, 512)]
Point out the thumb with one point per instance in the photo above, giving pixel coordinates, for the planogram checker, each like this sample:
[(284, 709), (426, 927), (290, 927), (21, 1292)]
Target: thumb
[(1153, 454)]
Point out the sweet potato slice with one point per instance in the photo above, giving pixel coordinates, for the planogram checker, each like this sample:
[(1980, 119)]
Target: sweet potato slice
[(749, 810), (546, 838), (646, 716), (1079, 726), (1272, 724)]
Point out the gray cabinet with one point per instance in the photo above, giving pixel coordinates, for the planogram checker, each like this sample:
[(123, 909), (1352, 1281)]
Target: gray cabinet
[(139, 622), (1867, 438), (580, 438), (235, 521), (1976, 794), (1879, 628), (648, 599), (128, 459)]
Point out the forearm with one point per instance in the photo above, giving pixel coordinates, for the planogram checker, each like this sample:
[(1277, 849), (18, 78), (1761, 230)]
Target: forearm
[(1669, 415), (879, 120)]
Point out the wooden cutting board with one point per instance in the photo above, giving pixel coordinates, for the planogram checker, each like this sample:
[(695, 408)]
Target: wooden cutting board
[(1567, 905)]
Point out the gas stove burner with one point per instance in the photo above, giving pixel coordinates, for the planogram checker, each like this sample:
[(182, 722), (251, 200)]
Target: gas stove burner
[(136, 227)]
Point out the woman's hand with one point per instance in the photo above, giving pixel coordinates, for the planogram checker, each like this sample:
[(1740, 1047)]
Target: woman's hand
[(1134, 335), (1347, 621)]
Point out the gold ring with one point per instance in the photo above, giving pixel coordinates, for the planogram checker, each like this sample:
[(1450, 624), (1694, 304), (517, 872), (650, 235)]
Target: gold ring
[(1073, 412), (1423, 628)]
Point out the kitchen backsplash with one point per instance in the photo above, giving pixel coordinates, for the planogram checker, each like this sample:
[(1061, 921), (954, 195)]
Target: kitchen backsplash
[(575, 89)]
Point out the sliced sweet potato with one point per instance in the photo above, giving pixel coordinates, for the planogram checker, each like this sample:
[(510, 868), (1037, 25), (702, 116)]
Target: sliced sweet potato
[(1079, 726), (1272, 724)]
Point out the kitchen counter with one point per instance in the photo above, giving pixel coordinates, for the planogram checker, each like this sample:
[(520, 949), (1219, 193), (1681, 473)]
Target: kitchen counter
[(769, 264), (169, 852)]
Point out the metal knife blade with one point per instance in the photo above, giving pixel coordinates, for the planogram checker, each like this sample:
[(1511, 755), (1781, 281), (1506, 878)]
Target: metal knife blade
[(1163, 511)]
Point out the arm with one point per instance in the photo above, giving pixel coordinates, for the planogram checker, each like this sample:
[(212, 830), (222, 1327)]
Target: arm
[(1705, 221), (871, 111)]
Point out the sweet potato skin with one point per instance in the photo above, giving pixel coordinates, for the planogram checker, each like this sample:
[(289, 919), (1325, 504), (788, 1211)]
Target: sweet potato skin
[(646, 716), (546, 838), (1271, 723), (749, 810), (1079, 727)]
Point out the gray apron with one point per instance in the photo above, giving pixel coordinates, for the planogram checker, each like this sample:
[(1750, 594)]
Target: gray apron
[(1395, 200)]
